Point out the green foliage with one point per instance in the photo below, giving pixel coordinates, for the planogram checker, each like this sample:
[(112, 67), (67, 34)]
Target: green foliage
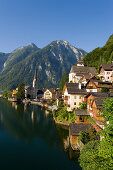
[(104, 89), (91, 120), (71, 117), (55, 103), (54, 113), (7, 94), (63, 114), (82, 106), (85, 137), (21, 65), (89, 159), (21, 91), (60, 104), (95, 155), (100, 55), (65, 79), (106, 145)]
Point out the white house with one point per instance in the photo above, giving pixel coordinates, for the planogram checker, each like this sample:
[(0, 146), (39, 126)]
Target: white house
[(73, 95)]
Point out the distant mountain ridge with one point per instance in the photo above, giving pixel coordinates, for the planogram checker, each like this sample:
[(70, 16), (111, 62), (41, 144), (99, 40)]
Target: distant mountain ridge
[(50, 62)]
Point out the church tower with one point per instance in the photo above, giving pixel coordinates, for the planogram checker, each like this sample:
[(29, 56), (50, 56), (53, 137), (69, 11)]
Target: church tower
[(35, 80), (34, 91)]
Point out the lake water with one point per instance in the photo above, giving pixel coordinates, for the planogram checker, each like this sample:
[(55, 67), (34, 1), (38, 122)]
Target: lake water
[(30, 140)]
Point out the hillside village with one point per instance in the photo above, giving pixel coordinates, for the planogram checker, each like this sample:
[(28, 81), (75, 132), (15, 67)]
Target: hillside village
[(80, 101)]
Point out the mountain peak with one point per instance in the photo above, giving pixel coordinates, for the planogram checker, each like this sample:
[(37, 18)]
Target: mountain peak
[(33, 45)]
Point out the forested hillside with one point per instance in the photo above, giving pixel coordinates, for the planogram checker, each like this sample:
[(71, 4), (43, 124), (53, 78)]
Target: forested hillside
[(100, 55)]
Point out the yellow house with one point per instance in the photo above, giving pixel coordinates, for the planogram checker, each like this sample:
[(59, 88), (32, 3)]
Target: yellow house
[(14, 92)]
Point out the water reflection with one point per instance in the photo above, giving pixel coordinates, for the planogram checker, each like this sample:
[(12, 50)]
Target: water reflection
[(29, 122)]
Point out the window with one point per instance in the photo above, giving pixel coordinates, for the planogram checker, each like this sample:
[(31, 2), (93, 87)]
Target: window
[(74, 97), (108, 72), (90, 101), (108, 77), (74, 103)]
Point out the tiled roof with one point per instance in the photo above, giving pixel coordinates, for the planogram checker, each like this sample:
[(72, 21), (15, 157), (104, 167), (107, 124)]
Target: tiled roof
[(76, 128), (107, 67), (83, 70), (87, 76), (82, 112), (73, 88)]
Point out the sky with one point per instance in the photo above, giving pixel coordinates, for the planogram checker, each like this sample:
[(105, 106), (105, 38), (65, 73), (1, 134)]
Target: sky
[(85, 24)]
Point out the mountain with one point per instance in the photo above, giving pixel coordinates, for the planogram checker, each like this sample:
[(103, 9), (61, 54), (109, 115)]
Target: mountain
[(18, 55), (100, 55), (50, 62), (3, 58)]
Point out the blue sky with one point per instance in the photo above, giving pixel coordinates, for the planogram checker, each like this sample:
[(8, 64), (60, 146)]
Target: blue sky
[(86, 24)]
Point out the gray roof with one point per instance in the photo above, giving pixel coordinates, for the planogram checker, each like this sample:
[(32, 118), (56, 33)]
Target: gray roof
[(73, 88), (107, 67), (83, 70), (99, 98), (76, 128), (82, 112), (87, 76)]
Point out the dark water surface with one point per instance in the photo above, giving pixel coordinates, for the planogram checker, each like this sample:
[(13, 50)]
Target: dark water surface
[(29, 140)]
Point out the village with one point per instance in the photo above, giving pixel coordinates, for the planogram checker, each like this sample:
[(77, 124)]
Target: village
[(79, 105)]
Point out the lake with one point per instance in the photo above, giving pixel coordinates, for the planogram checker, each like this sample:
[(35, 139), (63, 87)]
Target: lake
[(30, 140)]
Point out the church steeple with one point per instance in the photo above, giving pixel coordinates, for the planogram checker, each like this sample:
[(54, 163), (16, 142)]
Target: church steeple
[(34, 80)]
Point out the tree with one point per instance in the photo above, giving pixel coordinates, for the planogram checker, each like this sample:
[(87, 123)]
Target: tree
[(106, 145), (7, 94), (104, 89), (65, 79), (89, 159), (21, 91), (82, 106), (90, 135), (99, 155)]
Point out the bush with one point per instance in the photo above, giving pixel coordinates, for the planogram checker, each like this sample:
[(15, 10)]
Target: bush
[(104, 89), (54, 113), (83, 106), (85, 137)]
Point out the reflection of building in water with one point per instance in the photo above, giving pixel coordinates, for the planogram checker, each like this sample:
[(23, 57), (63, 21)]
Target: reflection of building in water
[(14, 104), (25, 107), (66, 143), (32, 116), (47, 112), (73, 154)]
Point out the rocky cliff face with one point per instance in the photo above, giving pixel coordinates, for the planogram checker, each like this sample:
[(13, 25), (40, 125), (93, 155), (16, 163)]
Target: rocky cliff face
[(50, 62)]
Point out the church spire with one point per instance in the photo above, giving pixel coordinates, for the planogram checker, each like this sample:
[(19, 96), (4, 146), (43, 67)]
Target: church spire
[(34, 80)]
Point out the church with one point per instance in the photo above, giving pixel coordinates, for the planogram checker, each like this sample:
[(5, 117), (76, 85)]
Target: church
[(31, 91)]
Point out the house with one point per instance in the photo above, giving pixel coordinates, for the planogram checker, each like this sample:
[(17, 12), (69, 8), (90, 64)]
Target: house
[(73, 94), (78, 71), (74, 132), (80, 62), (49, 94), (94, 85), (14, 92), (86, 77), (94, 107), (106, 72), (82, 116), (28, 92)]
